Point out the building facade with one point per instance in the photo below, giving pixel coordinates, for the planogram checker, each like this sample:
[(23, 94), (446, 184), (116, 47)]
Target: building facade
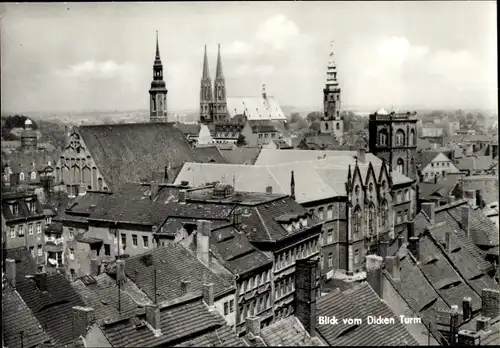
[(158, 91)]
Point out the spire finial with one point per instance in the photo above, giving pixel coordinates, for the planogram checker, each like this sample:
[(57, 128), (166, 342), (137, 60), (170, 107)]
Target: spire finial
[(206, 72), (218, 72), (331, 73), (157, 47), (292, 186)]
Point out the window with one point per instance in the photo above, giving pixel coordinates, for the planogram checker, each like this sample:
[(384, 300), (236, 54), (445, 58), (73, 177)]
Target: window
[(15, 209), (226, 308), (398, 218), (250, 283), (406, 215), (71, 254), (407, 195), (20, 230), (400, 138), (33, 175), (72, 271), (257, 280), (39, 228), (134, 240), (21, 176), (311, 211), (384, 214), (338, 124), (124, 239), (32, 207), (32, 251), (242, 287), (145, 241), (71, 234), (107, 249), (329, 212), (382, 137), (12, 232), (48, 220), (400, 196), (372, 228), (330, 260), (356, 256), (30, 228), (321, 213), (357, 222), (400, 166), (40, 250)]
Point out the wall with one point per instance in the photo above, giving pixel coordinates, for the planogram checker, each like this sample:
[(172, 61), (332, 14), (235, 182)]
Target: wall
[(440, 166), (96, 338), (34, 240), (230, 318)]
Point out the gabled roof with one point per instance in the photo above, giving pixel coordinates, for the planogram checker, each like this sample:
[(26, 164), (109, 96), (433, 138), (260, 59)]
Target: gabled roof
[(255, 108), (482, 163), (52, 306), (189, 129), (130, 152), (241, 155), (207, 154), (171, 262), (426, 157), (186, 321), (18, 321), (288, 332), (359, 302), (443, 188), (21, 199), (487, 184)]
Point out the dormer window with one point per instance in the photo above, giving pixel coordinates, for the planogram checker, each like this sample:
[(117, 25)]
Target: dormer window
[(303, 222), (32, 207), (15, 209), (297, 225), (288, 227)]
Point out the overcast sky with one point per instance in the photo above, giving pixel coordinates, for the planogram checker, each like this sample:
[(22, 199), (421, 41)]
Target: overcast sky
[(70, 57)]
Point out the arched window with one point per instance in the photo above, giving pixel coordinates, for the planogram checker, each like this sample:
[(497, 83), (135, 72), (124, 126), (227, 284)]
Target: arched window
[(153, 103), (400, 138), (412, 165), (370, 187), (326, 125), (329, 212), (407, 195), (21, 176), (357, 190), (413, 138), (400, 166), (87, 179), (33, 175), (372, 228), (384, 215), (338, 125), (65, 175), (357, 222), (94, 178), (382, 137), (99, 184), (321, 213)]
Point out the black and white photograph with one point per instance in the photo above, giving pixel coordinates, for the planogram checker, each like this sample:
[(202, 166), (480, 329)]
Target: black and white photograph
[(249, 174)]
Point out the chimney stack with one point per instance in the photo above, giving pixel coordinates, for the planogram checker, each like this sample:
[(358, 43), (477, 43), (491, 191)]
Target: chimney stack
[(182, 196), (153, 318), (401, 241), (253, 326), (120, 271), (153, 190), (447, 241), (83, 317), (41, 281), (94, 267), (429, 209), (185, 287), (361, 155), (237, 218), (392, 265), (470, 195), (269, 190), (436, 178), (203, 231), (414, 247), (383, 247), (264, 93), (464, 218), (165, 175), (482, 323), (411, 229), (292, 186), (490, 303), (10, 271), (374, 273), (306, 289), (208, 294), (467, 308)]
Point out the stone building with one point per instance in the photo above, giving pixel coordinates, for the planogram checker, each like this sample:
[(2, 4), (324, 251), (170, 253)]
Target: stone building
[(158, 91), (213, 106)]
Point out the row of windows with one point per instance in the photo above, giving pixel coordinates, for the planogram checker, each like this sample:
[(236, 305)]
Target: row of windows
[(31, 207), (431, 174), (337, 125), (145, 240), (400, 138), (32, 176), (39, 250), (288, 257), (228, 307), (19, 231), (356, 258), (254, 307), (372, 219), (283, 313), (296, 225), (284, 287), (442, 164), (266, 135), (254, 282), (403, 196), (403, 217)]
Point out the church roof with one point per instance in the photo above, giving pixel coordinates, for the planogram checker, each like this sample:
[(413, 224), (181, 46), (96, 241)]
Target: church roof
[(132, 152), (255, 108)]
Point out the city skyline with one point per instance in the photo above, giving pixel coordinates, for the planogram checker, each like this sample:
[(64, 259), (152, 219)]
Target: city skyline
[(70, 57)]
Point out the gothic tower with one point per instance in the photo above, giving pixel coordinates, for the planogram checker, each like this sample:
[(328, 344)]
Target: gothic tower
[(158, 91), (332, 122), (219, 105), (206, 96)]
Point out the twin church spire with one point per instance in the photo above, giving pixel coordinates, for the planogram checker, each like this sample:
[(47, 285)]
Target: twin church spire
[(158, 91), (213, 107)]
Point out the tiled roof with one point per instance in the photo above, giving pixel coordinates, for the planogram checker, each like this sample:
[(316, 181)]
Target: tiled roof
[(221, 337), (21, 199), (287, 332), (320, 142), (171, 263), (181, 323), (235, 252), (426, 157), (443, 188), (25, 264), (255, 108), (442, 275), (263, 128), (130, 152), (208, 154), (189, 129), (17, 318), (359, 302), (487, 184), (482, 163), (241, 155), (53, 308)]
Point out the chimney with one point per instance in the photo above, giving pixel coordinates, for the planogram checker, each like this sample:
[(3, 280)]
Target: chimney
[(237, 218), (292, 186), (470, 195), (383, 246), (447, 241), (464, 218), (185, 287), (306, 289), (451, 199), (468, 338), (153, 190), (436, 178), (182, 196), (411, 229), (414, 247), (467, 308), (269, 190), (428, 209), (208, 294), (94, 267), (490, 303), (253, 326), (203, 231), (10, 272), (153, 318), (482, 323), (361, 155), (83, 317), (392, 265), (374, 273), (401, 241), (453, 324), (41, 281), (120, 271), (165, 175)]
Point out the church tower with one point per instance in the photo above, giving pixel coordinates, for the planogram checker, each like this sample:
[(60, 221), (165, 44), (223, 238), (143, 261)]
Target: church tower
[(206, 96), (158, 91), (332, 122), (219, 105)]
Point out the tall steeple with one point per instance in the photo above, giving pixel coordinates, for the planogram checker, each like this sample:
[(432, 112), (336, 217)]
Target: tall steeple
[(220, 106), (332, 122), (206, 96), (158, 91)]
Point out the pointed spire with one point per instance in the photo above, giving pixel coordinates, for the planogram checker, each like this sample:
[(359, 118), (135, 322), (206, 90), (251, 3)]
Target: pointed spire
[(349, 174), (292, 186), (157, 47), (218, 72), (331, 72), (206, 71)]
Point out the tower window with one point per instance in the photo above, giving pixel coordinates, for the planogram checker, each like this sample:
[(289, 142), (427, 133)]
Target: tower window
[(400, 138), (400, 166), (338, 124), (326, 125)]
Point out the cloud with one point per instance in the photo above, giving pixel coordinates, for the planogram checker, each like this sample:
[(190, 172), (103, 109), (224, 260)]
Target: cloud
[(93, 69), (237, 48), (277, 31)]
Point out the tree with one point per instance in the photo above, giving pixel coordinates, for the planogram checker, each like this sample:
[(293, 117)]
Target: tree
[(315, 127), (241, 141), (313, 117), (297, 122), (295, 117)]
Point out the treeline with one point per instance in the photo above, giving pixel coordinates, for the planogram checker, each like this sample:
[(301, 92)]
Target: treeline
[(352, 122)]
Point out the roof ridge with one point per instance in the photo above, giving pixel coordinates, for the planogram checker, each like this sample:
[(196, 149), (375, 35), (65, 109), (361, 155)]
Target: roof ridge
[(274, 178), (265, 226)]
